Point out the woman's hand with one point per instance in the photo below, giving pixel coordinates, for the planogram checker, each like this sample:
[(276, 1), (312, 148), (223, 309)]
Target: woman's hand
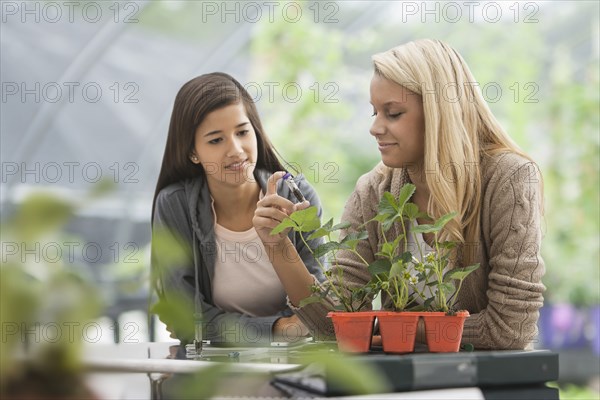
[(289, 329), (271, 210)]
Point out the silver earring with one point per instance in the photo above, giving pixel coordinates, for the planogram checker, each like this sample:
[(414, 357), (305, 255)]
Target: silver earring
[(194, 159)]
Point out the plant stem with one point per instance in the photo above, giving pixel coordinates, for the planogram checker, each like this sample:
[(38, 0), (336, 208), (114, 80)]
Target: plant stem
[(383, 234), (440, 274), (397, 300), (331, 282), (404, 232), (460, 282), (418, 292), (312, 252), (359, 256)]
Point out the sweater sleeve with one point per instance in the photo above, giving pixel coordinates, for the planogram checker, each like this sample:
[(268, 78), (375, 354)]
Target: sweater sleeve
[(516, 267), (176, 278)]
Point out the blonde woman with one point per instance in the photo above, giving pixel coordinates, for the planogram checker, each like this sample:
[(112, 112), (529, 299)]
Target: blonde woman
[(434, 129)]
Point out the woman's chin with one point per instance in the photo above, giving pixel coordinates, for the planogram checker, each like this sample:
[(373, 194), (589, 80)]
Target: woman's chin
[(391, 162)]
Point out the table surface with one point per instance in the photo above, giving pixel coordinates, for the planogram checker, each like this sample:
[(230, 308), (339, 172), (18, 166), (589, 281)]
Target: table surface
[(161, 358), (124, 371)]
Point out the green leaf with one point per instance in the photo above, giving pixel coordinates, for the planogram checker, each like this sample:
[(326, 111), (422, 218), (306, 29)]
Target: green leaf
[(427, 303), (424, 215), (174, 312), (410, 211), (379, 267), (375, 284), (41, 213), (322, 294), (341, 225), (447, 245), (360, 293), (310, 300), (382, 217), (425, 228), (205, 383), (398, 239), (322, 231), (405, 193), (326, 229), (307, 219), (302, 216), (325, 248), (351, 240), (447, 287), (387, 224), (347, 372), (387, 204), (169, 247), (387, 250), (101, 188), (460, 273), (406, 257), (317, 234), (444, 219), (396, 270), (283, 225)]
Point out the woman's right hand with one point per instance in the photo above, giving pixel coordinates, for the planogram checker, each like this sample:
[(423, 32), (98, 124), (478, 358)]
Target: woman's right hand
[(289, 329), (271, 210)]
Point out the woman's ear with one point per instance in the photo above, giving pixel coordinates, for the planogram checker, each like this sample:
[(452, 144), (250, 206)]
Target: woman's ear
[(194, 157)]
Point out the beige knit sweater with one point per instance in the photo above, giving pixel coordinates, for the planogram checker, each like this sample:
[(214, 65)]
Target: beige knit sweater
[(505, 293)]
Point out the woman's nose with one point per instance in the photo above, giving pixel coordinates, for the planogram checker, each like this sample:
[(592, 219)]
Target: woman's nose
[(377, 128), (235, 148)]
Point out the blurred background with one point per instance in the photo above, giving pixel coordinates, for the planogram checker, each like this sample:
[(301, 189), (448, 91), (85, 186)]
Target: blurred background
[(88, 88)]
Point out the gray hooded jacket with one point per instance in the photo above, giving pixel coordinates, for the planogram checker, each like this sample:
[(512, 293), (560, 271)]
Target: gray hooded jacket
[(184, 208)]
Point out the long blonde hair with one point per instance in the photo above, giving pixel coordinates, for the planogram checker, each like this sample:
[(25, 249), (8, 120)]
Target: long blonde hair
[(460, 129)]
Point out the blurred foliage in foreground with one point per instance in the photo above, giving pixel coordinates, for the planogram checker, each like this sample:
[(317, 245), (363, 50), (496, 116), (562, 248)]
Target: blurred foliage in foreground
[(574, 392), (46, 307)]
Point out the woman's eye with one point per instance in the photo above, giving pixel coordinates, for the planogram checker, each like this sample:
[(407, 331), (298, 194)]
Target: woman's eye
[(374, 114), (395, 115), (215, 141), (243, 133)]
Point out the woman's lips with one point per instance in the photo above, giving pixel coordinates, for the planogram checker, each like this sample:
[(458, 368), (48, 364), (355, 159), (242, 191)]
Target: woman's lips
[(236, 166), (384, 146)]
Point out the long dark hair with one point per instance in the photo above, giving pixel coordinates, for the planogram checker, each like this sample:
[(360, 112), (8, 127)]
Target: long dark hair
[(195, 100)]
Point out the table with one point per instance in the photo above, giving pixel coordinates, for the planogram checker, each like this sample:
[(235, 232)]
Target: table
[(126, 371)]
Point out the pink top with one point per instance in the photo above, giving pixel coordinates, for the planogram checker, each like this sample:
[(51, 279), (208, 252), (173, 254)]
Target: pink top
[(244, 280)]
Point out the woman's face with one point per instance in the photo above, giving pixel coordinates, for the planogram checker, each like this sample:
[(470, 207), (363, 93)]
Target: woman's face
[(226, 147), (399, 125)]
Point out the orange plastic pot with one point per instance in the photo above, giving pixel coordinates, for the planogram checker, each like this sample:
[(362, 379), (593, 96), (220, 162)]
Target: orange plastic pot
[(443, 331), (353, 330), (398, 331)]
